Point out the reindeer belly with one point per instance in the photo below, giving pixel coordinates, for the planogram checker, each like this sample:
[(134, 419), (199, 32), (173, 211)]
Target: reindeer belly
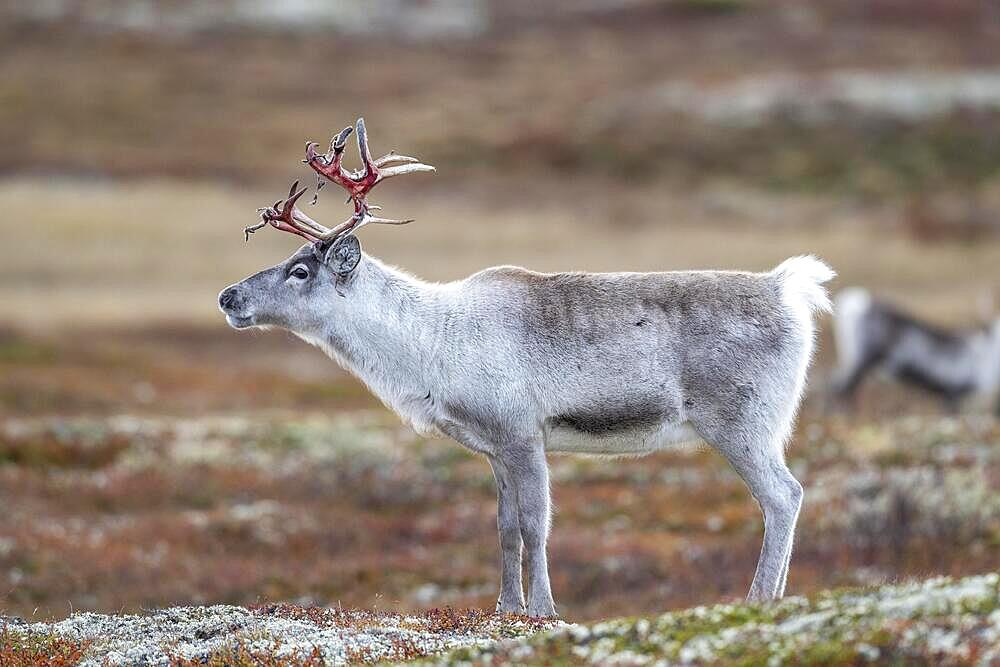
[(626, 441)]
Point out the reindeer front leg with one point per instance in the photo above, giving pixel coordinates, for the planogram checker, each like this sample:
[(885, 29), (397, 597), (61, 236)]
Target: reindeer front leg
[(511, 594), (529, 471)]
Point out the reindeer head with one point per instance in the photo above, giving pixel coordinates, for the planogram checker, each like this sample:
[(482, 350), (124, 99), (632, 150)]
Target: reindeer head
[(302, 292)]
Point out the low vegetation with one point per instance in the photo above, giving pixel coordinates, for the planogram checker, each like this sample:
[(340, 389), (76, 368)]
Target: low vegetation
[(938, 621), (276, 635), (133, 512), (34, 649)]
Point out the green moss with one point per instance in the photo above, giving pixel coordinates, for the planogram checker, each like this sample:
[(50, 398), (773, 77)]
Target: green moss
[(889, 625)]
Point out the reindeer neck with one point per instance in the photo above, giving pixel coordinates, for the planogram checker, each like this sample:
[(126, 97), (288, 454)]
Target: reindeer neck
[(385, 330)]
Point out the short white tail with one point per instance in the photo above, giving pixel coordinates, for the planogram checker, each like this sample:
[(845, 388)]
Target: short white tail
[(803, 278)]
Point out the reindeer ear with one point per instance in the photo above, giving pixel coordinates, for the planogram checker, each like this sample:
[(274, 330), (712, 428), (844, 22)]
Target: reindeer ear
[(343, 255)]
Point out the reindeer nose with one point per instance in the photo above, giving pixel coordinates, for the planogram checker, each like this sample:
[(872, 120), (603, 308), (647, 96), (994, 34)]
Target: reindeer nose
[(227, 298)]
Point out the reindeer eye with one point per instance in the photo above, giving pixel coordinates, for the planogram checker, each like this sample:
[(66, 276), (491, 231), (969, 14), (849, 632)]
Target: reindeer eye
[(299, 272)]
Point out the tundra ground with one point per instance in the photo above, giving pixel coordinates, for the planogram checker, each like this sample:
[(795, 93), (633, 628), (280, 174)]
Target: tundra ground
[(939, 621), (128, 512)]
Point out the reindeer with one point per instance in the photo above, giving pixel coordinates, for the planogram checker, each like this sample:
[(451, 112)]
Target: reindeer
[(515, 364), (952, 365)]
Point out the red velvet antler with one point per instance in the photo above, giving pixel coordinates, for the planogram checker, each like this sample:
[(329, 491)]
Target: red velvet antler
[(289, 218), (359, 183)]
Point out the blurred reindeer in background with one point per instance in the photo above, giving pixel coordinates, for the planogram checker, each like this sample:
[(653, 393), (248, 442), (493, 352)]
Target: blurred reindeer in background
[(873, 335)]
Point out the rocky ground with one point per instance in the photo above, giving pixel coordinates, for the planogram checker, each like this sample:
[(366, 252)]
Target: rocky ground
[(939, 621), (287, 634)]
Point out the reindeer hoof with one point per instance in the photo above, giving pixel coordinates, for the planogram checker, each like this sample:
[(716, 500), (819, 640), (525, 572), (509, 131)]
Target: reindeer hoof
[(516, 607)]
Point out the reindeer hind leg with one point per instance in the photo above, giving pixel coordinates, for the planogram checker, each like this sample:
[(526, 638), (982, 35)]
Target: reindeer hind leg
[(760, 464)]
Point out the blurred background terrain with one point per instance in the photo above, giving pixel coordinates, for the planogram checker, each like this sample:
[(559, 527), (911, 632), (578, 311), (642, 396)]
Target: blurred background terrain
[(149, 455)]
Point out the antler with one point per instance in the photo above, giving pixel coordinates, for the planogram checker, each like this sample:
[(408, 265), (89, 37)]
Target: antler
[(287, 217), (359, 183), (284, 215)]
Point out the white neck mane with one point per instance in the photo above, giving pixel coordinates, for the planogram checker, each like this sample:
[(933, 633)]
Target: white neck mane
[(391, 347)]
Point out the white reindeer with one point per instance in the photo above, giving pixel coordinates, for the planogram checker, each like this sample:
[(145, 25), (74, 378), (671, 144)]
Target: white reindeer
[(514, 364), (875, 335)]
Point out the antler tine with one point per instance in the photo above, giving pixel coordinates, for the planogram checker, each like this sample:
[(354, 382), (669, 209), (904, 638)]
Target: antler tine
[(345, 227), (288, 206), (289, 218), (250, 229), (333, 158), (403, 169), (330, 165), (356, 222), (392, 158), (338, 142), (294, 216), (387, 221), (364, 151), (373, 171)]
